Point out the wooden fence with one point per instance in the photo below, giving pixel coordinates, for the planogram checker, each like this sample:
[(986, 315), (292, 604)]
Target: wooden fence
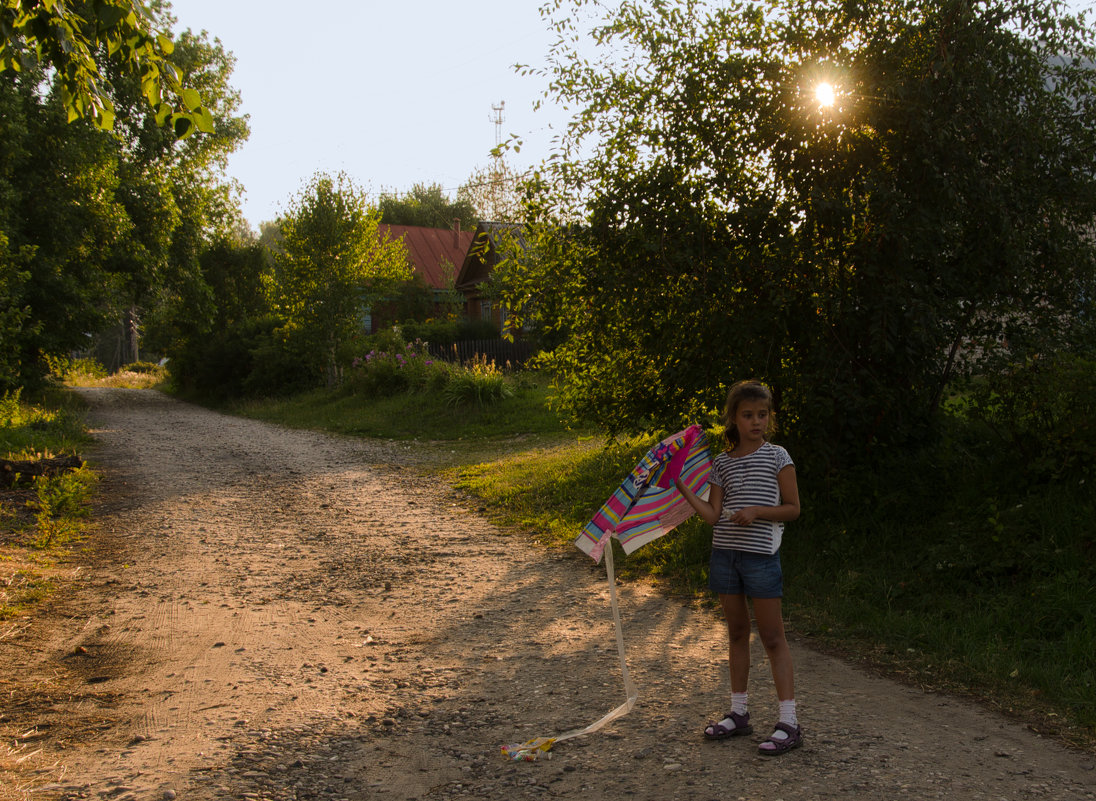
[(501, 352)]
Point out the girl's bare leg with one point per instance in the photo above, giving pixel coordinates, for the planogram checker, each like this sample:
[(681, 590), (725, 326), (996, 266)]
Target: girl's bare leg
[(737, 614), (770, 627)]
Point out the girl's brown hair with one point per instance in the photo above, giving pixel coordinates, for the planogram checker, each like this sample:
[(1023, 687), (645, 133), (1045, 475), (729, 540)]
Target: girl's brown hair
[(749, 390)]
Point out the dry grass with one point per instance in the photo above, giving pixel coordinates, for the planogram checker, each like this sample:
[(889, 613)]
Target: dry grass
[(123, 379)]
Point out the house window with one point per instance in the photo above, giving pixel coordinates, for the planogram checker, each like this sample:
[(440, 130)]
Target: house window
[(485, 310)]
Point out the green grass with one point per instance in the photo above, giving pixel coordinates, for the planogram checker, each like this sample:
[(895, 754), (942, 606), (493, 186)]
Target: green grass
[(20, 591), (40, 518), (423, 416), (945, 568), (50, 424)]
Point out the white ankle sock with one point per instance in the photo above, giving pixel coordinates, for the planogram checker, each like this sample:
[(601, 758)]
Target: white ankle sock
[(740, 703), (787, 715)]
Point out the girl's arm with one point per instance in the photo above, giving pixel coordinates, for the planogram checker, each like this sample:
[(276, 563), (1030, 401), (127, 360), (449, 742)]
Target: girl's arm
[(788, 509), (709, 509)]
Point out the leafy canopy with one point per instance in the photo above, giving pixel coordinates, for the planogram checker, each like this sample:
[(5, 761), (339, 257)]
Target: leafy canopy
[(109, 222), (427, 206), (77, 37), (704, 219)]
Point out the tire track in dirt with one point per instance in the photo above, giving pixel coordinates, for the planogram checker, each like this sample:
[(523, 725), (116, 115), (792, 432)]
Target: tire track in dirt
[(276, 614)]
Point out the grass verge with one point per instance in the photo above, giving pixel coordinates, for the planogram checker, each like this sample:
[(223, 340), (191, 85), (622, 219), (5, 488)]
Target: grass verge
[(41, 517)]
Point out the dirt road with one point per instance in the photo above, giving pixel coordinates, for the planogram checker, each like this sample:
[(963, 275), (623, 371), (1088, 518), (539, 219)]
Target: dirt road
[(275, 614)]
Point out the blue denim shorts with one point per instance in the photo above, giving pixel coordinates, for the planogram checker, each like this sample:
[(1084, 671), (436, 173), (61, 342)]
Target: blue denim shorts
[(744, 573)]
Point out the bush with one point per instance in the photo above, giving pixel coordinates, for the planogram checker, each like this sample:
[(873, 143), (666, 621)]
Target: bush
[(142, 367), (59, 502), (1044, 412), (85, 368), (54, 424), (392, 366), (446, 332), (248, 358), (11, 411)]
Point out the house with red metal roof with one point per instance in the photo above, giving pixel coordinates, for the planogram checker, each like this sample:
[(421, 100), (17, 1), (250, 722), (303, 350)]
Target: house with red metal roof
[(435, 255)]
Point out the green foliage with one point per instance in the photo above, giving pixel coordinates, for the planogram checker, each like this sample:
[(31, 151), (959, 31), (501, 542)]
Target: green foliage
[(704, 220), (14, 314), (11, 411), (250, 357), (963, 582), (60, 503), (427, 206), (420, 416), (334, 265), (62, 220), (143, 367), (52, 424), (106, 224), (73, 37), (79, 369), (1040, 417), (212, 329), (446, 332), (35, 531), (391, 366)]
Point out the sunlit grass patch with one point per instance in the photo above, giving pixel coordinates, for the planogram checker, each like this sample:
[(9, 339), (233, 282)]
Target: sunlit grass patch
[(138, 375), (40, 517), (20, 590), (428, 416)]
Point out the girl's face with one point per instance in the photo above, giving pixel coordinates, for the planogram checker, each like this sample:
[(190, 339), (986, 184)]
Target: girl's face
[(751, 418)]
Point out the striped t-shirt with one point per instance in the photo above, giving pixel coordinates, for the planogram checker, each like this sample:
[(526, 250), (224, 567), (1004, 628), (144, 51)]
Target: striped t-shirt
[(749, 481)]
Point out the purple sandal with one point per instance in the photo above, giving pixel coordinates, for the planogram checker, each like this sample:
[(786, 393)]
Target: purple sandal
[(780, 746), (717, 731)]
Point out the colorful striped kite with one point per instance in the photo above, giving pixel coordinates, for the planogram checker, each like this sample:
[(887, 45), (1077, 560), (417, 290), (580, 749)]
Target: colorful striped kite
[(646, 505)]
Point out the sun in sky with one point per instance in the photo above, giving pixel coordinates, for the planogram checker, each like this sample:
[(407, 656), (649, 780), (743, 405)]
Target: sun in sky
[(825, 94)]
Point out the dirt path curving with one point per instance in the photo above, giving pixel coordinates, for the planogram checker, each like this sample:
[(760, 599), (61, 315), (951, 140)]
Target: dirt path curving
[(276, 614)]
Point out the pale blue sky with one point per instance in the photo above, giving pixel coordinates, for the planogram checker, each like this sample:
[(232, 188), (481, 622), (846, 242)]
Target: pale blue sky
[(393, 93)]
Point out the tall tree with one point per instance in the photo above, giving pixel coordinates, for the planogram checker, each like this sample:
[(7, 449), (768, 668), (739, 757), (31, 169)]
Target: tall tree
[(61, 217), (427, 206), (335, 265), (204, 205), (113, 222), (705, 219)]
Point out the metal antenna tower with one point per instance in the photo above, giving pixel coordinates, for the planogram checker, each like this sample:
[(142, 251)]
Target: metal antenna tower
[(498, 120), (496, 161)]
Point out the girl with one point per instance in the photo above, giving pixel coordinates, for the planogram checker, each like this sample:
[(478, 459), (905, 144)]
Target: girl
[(753, 493)]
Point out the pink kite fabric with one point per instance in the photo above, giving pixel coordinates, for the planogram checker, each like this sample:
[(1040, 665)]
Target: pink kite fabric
[(646, 505)]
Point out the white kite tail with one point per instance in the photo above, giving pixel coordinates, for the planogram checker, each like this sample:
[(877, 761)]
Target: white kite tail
[(630, 692)]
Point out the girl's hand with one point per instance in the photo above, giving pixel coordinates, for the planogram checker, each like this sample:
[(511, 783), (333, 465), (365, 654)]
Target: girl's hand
[(745, 515)]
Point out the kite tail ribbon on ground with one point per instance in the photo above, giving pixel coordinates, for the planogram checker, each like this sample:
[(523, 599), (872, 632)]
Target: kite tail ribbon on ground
[(529, 750), (643, 508)]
